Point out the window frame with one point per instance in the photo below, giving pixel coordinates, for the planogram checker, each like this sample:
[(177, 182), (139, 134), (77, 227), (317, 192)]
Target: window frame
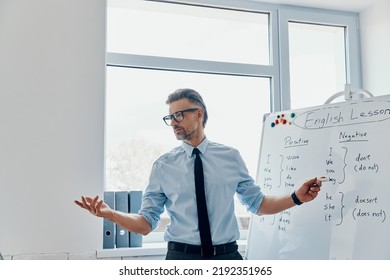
[(277, 70), (322, 17)]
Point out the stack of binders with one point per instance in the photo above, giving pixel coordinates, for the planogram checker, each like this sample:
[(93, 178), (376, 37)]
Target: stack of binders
[(115, 236)]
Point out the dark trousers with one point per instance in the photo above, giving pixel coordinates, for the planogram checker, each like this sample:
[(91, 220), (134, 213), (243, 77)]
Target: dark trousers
[(174, 255), (181, 251)]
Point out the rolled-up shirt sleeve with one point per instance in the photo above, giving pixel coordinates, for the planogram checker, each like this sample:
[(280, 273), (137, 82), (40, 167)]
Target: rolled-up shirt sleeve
[(248, 192), (154, 198)]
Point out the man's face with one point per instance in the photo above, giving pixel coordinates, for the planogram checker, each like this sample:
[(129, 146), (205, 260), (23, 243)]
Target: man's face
[(191, 123)]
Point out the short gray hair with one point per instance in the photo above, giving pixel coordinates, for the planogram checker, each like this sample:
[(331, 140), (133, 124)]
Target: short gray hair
[(193, 96)]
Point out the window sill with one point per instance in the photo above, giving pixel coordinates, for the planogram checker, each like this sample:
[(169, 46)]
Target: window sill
[(147, 249)]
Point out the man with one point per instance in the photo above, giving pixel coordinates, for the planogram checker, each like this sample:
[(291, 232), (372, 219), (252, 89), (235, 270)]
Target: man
[(172, 184)]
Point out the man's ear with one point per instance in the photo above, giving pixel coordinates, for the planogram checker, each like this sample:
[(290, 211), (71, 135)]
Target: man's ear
[(200, 113)]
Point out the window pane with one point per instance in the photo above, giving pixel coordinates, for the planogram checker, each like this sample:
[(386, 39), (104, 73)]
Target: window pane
[(183, 31), (136, 134), (317, 63)]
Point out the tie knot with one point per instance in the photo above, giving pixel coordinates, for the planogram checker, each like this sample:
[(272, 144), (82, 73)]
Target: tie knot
[(195, 151)]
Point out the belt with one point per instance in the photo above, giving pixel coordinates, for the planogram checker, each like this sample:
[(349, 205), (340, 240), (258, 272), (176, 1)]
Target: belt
[(195, 249)]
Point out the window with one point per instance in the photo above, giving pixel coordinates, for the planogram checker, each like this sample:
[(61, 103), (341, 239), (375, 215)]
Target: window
[(319, 55), (146, 64), (136, 134), (317, 63), (233, 55), (184, 31)]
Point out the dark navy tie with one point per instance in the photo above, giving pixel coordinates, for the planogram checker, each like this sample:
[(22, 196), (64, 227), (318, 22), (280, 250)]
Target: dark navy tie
[(203, 218)]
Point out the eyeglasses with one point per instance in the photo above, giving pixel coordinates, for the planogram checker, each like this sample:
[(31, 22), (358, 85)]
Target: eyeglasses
[(178, 116)]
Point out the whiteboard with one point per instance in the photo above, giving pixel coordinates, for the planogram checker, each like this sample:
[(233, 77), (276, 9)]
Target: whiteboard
[(349, 142)]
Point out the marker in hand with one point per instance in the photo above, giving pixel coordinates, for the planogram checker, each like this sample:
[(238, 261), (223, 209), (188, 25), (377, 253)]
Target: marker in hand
[(323, 179), (314, 188), (320, 179)]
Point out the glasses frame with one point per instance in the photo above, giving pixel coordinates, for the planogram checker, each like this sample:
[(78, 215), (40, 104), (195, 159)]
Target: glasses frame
[(177, 116)]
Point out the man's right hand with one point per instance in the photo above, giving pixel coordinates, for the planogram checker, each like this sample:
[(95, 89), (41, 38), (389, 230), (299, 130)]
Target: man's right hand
[(95, 206)]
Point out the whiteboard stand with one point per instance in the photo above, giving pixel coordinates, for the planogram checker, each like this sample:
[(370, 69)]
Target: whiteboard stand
[(350, 94)]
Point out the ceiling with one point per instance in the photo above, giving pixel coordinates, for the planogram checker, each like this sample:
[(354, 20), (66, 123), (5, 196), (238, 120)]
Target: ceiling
[(343, 5)]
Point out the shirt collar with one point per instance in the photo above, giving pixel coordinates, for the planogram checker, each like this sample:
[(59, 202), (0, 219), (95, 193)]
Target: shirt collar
[(201, 147)]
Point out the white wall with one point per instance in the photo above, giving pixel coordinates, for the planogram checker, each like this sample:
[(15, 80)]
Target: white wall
[(375, 38), (52, 78)]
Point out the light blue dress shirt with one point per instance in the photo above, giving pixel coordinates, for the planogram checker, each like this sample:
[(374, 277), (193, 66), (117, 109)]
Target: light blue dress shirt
[(172, 184)]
